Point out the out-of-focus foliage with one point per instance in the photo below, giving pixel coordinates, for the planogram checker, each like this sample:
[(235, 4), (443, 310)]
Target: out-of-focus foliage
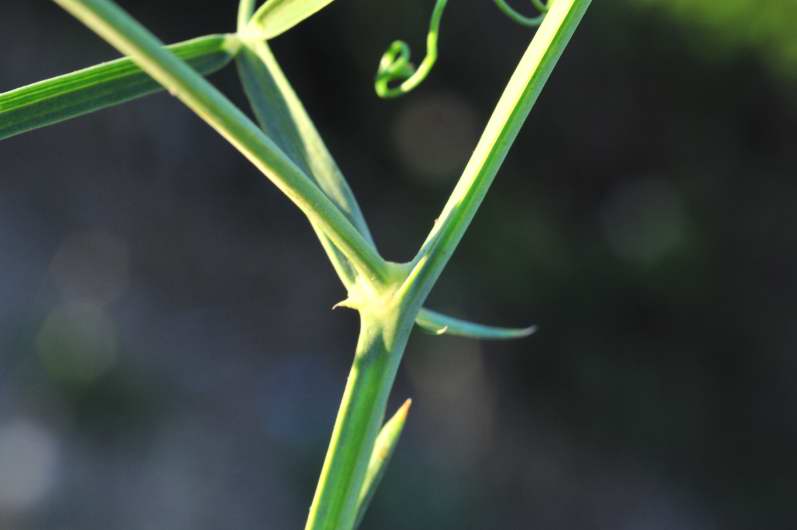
[(728, 26)]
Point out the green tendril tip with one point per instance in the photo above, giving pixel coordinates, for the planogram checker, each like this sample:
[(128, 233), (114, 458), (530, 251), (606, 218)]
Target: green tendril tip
[(521, 19), (395, 65), (397, 75)]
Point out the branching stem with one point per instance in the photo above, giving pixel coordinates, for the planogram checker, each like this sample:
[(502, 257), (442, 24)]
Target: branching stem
[(387, 296)]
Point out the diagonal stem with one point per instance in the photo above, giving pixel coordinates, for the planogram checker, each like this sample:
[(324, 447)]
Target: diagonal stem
[(510, 113), (129, 37)]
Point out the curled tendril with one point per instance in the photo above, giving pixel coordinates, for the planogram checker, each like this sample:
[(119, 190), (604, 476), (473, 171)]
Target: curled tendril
[(395, 65), (541, 6), (521, 19), (397, 75)]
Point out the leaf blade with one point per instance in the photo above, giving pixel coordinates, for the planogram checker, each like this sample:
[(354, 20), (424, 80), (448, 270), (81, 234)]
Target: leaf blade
[(101, 86), (278, 16), (440, 324), (281, 114)]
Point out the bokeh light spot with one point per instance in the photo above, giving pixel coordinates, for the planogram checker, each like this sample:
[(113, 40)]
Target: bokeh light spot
[(435, 134), (91, 266), (28, 465), (77, 343), (644, 221), (451, 382)]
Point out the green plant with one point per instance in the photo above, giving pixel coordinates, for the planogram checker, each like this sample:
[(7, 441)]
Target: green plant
[(288, 150)]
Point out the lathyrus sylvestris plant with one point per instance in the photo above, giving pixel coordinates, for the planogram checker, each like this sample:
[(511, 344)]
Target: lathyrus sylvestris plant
[(286, 148)]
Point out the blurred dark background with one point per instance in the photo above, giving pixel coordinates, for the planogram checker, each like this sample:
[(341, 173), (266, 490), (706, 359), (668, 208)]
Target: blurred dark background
[(169, 360)]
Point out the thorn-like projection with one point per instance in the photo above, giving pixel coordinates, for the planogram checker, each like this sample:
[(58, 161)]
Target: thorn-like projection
[(348, 303), (380, 457), (440, 324)]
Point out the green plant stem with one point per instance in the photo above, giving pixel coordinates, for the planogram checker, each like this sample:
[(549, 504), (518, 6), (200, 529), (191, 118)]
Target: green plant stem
[(362, 410), (388, 296), (510, 113), (129, 37), (246, 9), (281, 114), (362, 407)]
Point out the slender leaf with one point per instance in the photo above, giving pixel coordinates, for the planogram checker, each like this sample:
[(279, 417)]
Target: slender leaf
[(278, 16), (101, 86), (384, 447), (283, 117), (440, 324)]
